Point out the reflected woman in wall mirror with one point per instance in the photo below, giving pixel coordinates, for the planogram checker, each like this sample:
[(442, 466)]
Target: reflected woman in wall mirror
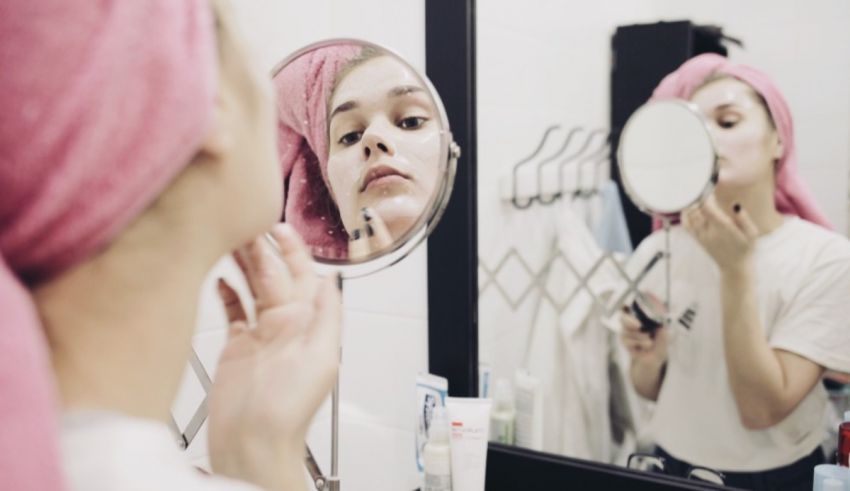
[(759, 308), (365, 147)]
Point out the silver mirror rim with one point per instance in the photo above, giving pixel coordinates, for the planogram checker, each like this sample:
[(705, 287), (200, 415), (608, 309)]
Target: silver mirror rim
[(449, 154), (629, 189)]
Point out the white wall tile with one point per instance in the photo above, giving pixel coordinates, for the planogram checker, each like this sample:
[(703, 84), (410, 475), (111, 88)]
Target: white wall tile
[(381, 356), (400, 290), (372, 456)]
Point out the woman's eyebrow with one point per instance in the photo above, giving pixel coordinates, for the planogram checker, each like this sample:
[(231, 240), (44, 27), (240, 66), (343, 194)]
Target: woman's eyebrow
[(399, 91), (345, 106), (725, 105), (404, 90)]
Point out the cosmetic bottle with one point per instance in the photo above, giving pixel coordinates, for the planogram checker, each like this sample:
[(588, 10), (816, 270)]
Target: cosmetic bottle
[(828, 477), (437, 453), (844, 441), (529, 411), (503, 414)]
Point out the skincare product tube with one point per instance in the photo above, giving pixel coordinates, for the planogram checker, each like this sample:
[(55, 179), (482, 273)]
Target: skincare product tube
[(470, 421), (431, 392), (529, 411)]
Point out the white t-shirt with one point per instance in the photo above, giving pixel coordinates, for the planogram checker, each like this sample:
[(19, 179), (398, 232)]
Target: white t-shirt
[(803, 291), (108, 452)]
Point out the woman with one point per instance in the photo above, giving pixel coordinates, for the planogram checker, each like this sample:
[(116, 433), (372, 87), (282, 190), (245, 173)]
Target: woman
[(131, 163), (360, 150), (759, 302)]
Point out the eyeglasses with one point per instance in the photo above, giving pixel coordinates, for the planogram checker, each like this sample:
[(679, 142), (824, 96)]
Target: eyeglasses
[(653, 463)]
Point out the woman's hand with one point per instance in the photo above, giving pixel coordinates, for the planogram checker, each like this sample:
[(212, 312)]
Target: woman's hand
[(272, 378), (648, 351), (643, 346), (370, 236), (729, 238)]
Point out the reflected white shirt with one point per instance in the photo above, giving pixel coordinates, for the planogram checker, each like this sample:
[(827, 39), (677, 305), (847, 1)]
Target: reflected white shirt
[(803, 293)]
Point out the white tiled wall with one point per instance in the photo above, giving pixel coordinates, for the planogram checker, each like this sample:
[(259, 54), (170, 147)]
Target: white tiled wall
[(548, 61), (385, 321)]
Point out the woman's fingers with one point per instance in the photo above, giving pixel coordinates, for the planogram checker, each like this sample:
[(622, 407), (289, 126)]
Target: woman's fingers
[(294, 251), (377, 232), (371, 235), (629, 322), (283, 323), (324, 331), (247, 270), (358, 246), (266, 273), (744, 222), (232, 304)]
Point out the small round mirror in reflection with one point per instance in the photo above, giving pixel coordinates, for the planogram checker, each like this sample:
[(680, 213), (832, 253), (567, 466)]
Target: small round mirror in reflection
[(366, 151), (666, 157)]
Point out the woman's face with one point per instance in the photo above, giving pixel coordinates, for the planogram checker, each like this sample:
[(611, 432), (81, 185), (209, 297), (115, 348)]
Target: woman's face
[(245, 134), (384, 145), (746, 141)]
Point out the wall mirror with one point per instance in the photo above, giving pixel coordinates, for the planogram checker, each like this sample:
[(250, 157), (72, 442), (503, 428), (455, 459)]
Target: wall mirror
[(554, 89)]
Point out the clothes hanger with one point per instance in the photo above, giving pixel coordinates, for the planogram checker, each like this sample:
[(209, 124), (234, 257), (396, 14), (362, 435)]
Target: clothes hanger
[(575, 130), (581, 151), (514, 198)]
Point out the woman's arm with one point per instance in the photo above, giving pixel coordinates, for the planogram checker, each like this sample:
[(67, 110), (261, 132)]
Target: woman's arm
[(767, 383)]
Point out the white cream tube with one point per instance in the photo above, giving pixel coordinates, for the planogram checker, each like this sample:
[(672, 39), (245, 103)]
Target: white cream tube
[(470, 426)]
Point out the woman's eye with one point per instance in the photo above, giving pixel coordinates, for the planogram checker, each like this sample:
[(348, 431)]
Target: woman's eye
[(350, 138), (727, 123), (412, 122)]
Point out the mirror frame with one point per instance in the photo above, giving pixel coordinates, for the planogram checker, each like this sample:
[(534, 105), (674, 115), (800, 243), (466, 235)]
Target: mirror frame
[(629, 189), (453, 276), (425, 224)]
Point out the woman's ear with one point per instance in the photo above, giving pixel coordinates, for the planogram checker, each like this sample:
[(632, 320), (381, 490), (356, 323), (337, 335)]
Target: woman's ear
[(778, 146)]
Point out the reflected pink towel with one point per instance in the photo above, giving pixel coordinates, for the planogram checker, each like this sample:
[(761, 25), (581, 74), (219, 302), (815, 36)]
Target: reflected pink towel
[(102, 104), (791, 196), (303, 88)]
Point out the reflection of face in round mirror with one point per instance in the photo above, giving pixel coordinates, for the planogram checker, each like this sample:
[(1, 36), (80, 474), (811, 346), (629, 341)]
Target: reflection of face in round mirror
[(384, 145), (666, 157), (364, 146)]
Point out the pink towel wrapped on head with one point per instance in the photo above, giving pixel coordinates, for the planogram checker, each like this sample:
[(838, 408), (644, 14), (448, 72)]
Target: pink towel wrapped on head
[(103, 103), (303, 88), (791, 195)]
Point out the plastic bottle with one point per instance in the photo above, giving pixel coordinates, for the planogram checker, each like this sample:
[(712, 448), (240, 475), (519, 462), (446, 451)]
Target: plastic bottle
[(437, 453), (503, 415), (844, 441)]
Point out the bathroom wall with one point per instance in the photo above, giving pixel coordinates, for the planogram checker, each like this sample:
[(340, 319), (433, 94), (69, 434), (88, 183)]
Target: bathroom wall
[(548, 62), (385, 320)]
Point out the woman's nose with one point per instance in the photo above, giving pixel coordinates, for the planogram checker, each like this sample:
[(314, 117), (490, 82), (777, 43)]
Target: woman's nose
[(375, 145)]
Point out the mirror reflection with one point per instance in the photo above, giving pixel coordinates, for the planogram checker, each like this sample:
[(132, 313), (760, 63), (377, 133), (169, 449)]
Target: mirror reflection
[(718, 348), (667, 159), (364, 148)]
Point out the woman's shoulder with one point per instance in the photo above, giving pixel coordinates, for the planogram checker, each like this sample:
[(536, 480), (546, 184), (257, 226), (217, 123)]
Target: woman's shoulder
[(804, 240)]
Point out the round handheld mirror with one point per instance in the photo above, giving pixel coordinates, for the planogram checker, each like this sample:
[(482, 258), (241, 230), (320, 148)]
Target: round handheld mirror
[(666, 158), (367, 154)]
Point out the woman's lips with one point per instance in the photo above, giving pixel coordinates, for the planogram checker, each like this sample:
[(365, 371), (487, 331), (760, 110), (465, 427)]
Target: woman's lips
[(380, 174)]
